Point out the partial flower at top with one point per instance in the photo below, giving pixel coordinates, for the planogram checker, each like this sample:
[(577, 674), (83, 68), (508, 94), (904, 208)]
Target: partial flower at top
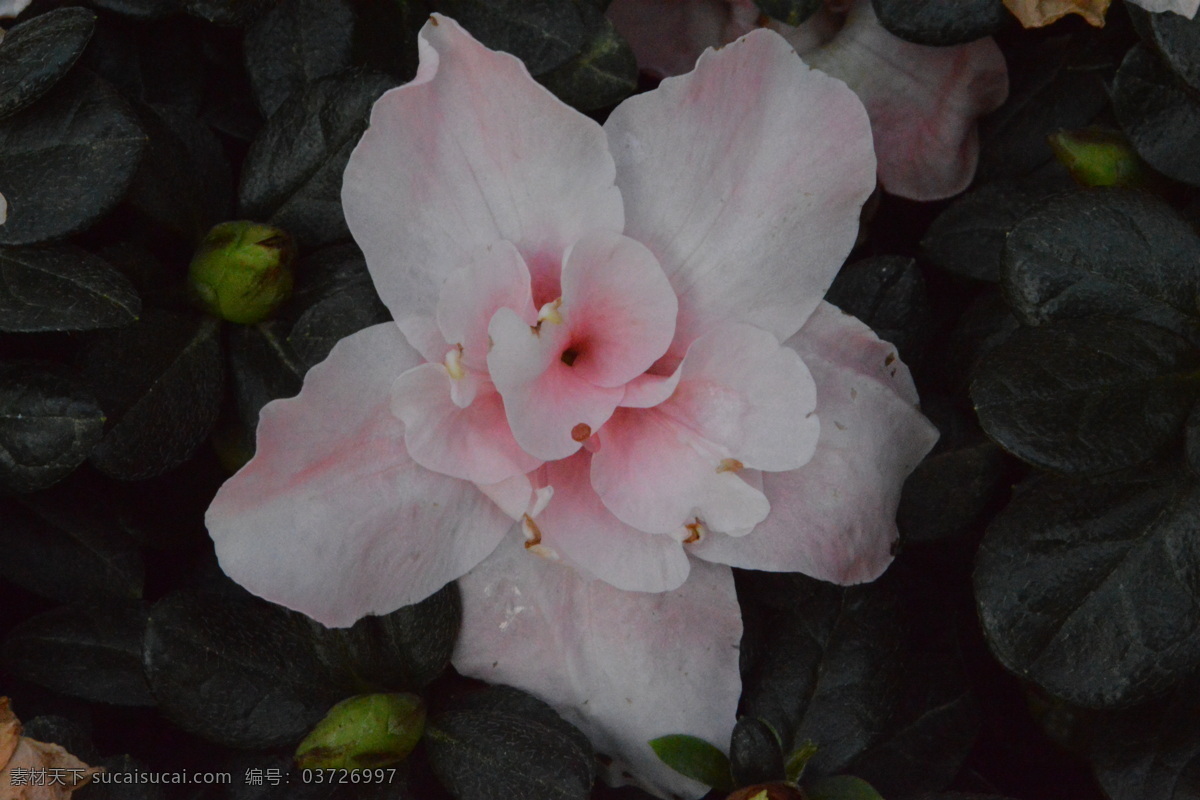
[(13, 8), (923, 101), (611, 377)]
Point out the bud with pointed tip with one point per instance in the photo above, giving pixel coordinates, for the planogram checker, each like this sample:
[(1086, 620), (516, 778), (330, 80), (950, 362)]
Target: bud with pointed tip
[(242, 271), (364, 732)]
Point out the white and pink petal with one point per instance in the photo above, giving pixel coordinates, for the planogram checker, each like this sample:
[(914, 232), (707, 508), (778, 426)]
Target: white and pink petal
[(471, 152), (625, 667), (332, 517), (577, 527), (834, 518), (757, 234), (473, 443), (923, 101)]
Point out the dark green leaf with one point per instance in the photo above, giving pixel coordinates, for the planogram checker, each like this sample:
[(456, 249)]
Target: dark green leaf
[(158, 64), (334, 298), (950, 492), (826, 670), (62, 288), (941, 22), (931, 734), (603, 73), (49, 422), (968, 237), (184, 182), (500, 744), (1092, 589), (1178, 41), (696, 759), (754, 754), (91, 651), (543, 33), (67, 160), (237, 13), (1105, 252), (1160, 114), (1088, 396), (37, 53), (401, 651), (159, 383), (262, 368), (235, 669), (141, 9), (241, 671), (841, 787), (1062, 86), (292, 176), (63, 544), (128, 787), (1153, 752), (789, 12), (888, 293), (295, 43)]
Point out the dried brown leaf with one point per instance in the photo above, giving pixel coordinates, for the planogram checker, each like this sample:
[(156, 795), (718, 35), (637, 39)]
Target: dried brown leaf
[(1037, 13), (33, 770)]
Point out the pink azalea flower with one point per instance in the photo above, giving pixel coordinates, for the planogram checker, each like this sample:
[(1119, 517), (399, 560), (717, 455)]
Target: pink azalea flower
[(612, 377), (923, 101)]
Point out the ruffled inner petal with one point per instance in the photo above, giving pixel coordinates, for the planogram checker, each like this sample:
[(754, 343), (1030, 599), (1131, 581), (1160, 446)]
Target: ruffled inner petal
[(495, 277), (473, 443), (620, 307), (577, 527), (743, 402)]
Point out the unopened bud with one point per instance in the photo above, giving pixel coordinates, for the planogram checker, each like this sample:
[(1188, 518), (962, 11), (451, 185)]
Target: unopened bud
[(364, 732), (767, 791), (242, 271), (1099, 157)]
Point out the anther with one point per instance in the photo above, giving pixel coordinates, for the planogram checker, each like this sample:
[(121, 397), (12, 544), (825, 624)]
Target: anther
[(453, 363), (550, 313)]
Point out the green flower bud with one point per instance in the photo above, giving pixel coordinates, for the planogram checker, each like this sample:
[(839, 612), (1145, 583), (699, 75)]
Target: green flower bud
[(1099, 157), (364, 732), (242, 271)]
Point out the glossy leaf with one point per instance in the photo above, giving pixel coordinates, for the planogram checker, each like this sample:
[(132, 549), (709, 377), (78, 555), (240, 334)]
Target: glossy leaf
[(67, 160), (941, 22), (66, 545), (295, 43), (603, 73), (968, 237), (543, 33), (91, 651), (1088, 396), (49, 422), (825, 669), (1089, 589), (37, 53), (1114, 252), (1160, 114), (501, 743), (292, 176), (62, 288), (159, 383)]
